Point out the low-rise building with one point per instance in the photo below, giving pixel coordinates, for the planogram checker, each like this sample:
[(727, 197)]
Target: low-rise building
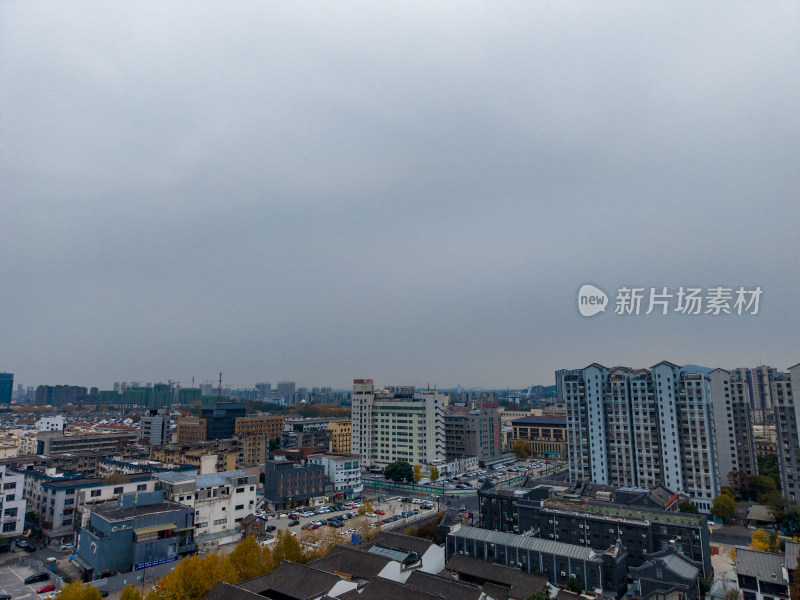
[(762, 575), (100, 441), (288, 484), (226, 452), (192, 429), (267, 426), (12, 502), (155, 427), (546, 436), (134, 532), (343, 471), (220, 501), (666, 574), (596, 570), (341, 432)]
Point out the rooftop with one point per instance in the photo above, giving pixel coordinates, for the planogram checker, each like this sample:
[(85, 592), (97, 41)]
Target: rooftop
[(111, 511), (622, 512), (521, 541), (764, 566)]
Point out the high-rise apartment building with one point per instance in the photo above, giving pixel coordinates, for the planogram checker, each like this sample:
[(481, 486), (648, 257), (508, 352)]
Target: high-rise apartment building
[(285, 389), (397, 423), (642, 428), (473, 432), (787, 418), (758, 381), (6, 387), (733, 430)]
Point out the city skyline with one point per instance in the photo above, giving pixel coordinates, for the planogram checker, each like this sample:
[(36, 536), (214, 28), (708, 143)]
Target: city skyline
[(408, 192)]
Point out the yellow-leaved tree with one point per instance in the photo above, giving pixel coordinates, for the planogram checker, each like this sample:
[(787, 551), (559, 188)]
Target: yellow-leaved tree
[(78, 590), (417, 473), (192, 578), (434, 474), (287, 547), (765, 541), (248, 560), (130, 593)]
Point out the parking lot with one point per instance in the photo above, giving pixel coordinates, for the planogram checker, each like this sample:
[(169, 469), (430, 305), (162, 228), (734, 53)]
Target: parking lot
[(12, 580)]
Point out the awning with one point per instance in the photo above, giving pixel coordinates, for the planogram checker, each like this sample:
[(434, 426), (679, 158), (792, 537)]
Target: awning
[(184, 529), (154, 528)]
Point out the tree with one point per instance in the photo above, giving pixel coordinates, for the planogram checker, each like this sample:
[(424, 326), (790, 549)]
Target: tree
[(434, 474), (733, 594), (574, 585), (192, 578), (417, 473), (274, 443), (738, 481), (723, 507), (765, 541), (733, 555), (760, 484), (687, 507), (130, 593), (768, 467), (521, 448), (543, 594), (287, 547), (398, 471), (247, 560), (77, 590), (365, 508), (728, 490)]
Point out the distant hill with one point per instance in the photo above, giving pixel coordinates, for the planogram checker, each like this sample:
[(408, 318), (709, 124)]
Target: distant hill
[(697, 369)]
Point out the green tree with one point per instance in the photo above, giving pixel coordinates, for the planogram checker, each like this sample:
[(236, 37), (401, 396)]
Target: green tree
[(760, 484), (543, 594), (728, 490), (398, 471), (768, 466), (130, 593), (574, 585), (434, 474), (723, 507), (687, 507), (77, 590)]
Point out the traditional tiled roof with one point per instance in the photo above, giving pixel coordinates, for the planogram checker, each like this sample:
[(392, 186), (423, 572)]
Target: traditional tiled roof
[(764, 566), (446, 587), (292, 581)]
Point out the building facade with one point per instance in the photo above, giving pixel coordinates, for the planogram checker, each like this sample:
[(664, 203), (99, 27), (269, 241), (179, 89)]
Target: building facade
[(397, 424), (6, 387), (288, 484), (221, 418), (134, 532), (12, 502), (267, 426), (733, 431), (192, 429), (155, 427), (106, 442), (343, 471), (643, 428), (340, 432), (546, 436), (787, 421), (474, 432)]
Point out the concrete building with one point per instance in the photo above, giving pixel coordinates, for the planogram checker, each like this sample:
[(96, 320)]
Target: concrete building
[(287, 484), (604, 570), (643, 428), (343, 471), (546, 436), (220, 501), (340, 432), (101, 442), (787, 421), (226, 453), (763, 575), (733, 431), (472, 432), (758, 382), (133, 533), (155, 427), (12, 502), (267, 426), (192, 429), (52, 423), (397, 424)]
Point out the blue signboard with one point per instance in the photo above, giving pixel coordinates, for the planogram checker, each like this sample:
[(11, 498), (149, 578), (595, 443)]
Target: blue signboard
[(153, 563), (356, 539)]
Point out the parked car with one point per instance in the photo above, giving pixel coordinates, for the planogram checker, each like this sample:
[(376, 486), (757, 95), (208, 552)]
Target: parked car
[(30, 548), (270, 528), (21, 543), (380, 512), (39, 577), (48, 587), (68, 547), (293, 523)]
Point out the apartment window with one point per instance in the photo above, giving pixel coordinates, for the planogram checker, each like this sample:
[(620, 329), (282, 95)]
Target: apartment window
[(141, 487), (239, 507), (220, 521), (95, 493), (118, 490)]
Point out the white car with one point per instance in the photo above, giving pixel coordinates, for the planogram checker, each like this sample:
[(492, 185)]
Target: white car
[(308, 513), (282, 516)]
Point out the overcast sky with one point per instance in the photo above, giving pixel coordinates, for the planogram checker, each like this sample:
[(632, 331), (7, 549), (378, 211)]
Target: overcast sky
[(411, 192)]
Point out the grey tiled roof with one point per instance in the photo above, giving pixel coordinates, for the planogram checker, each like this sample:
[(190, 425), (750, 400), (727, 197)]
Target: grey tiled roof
[(383, 589), (759, 512), (226, 591), (764, 566), (515, 583), (448, 588), (792, 549), (350, 561), (293, 581), (401, 542), (529, 543)]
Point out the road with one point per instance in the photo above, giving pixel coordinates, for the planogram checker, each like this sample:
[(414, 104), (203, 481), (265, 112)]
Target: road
[(732, 535)]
